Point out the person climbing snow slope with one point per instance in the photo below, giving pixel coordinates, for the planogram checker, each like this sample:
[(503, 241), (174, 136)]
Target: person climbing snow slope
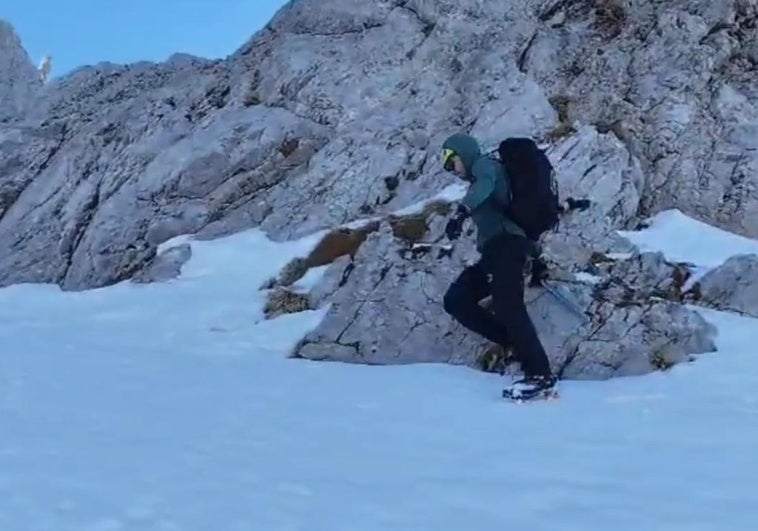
[(504, 246)]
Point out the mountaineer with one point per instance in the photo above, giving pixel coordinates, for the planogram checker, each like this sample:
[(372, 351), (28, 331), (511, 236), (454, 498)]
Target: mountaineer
[(511, 201)]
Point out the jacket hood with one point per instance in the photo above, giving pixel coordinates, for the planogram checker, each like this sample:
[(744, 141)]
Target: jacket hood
[(466, 147)]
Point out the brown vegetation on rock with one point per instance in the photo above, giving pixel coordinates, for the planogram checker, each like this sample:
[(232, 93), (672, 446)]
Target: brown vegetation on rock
[(344, 241), (282, 301)]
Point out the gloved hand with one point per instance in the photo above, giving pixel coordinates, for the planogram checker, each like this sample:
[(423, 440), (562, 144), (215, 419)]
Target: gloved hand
[(578, 204), (454, 227), (539, 271)]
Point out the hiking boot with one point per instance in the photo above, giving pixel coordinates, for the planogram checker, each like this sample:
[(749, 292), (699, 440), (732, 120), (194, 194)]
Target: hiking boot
[(531, 387)]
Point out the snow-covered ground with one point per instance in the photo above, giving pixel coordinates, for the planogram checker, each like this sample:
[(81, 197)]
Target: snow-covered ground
[(172, 407), (684, 239)]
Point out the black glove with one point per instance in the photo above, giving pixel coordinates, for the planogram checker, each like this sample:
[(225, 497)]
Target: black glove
[(539, 272), (578, 204), (454, 227)]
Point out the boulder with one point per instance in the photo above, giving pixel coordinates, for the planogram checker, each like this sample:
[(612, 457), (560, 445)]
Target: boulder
[(386, 308), (733, 286)]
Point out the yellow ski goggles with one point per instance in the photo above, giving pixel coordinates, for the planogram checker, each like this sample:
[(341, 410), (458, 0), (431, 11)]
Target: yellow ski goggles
[(447, 159)]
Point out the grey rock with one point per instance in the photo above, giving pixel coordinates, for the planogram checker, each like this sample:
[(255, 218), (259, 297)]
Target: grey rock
[(93, 212), (674, 81), (388, 310), (19, 78), (732, 286), (335, 276), (600, 167), (633, 340), (641, 277), (166, 265), (111, 160), (385, 306)]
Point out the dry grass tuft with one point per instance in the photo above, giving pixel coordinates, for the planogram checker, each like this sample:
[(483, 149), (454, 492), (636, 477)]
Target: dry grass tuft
[(281, 301)]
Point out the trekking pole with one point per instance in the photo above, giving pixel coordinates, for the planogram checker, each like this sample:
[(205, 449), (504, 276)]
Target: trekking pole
[(564, 300)]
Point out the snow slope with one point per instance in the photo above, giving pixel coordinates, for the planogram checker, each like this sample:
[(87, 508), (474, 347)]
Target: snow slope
[(171, 407)]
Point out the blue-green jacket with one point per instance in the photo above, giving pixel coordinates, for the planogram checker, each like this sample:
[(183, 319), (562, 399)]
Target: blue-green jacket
[(489, 192)]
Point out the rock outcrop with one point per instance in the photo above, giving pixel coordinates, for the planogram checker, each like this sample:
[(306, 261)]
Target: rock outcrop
[(676, 81), (616, 318), (18, 77), (732, 286), (166, 265), (336, 110), (387, 309), (128, 157)]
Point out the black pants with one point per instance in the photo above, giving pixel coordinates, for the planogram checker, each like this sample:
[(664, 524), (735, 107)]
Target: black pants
[(500, 273)]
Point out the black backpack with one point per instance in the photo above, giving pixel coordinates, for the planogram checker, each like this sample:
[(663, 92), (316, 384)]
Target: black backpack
[(535, 204)]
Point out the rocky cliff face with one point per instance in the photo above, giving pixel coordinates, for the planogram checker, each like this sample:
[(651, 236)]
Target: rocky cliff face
[(123, 158), (335, 112), (116, 159), (18, 77)]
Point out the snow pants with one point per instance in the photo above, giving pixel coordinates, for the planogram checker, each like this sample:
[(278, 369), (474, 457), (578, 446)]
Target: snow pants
[(499, 273)]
